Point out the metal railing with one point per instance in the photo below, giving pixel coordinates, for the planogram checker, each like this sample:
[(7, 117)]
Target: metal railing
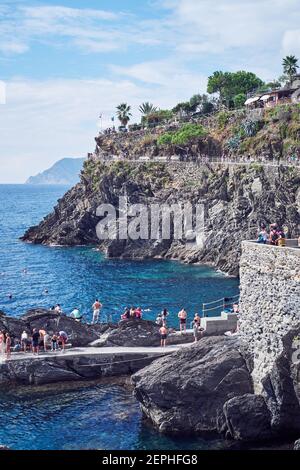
[(219, 304)]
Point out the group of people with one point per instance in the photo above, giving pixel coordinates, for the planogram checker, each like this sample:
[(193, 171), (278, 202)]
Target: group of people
[(161, 321), (34, 342), (77, 315), (132, 312), (275, 236)]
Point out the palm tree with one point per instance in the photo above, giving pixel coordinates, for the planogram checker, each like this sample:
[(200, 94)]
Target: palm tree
[(290, 66), (123, 113), (147, 108)]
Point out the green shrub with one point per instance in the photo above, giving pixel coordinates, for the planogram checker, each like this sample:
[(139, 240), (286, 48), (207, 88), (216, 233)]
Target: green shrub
[(223, 118), (165, 139), (183, 136)]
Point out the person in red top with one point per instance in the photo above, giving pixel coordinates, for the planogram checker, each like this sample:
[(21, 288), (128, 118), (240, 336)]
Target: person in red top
[(138, 313)]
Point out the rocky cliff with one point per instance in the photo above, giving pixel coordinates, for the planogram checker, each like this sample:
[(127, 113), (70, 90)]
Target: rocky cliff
[(236, 200)]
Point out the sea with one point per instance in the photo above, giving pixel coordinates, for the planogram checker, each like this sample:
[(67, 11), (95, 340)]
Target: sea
[(94, 415)]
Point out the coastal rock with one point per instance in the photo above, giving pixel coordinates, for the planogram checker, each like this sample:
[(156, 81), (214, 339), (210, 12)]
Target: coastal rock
[(131, 332), (79, 334), (233, 204), (4, 447), (248, 418), (186, 391), (135, 332)]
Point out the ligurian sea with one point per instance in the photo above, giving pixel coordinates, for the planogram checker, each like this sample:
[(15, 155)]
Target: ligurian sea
[(92, 415)]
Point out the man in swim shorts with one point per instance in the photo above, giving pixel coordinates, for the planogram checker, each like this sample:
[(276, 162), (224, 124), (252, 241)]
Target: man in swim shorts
[(182, 315)]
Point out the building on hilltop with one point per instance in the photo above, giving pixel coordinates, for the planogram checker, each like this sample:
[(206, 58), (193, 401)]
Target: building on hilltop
[(285, 95)]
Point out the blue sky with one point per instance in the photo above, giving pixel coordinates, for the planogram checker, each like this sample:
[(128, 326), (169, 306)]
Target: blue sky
[(64, 62)]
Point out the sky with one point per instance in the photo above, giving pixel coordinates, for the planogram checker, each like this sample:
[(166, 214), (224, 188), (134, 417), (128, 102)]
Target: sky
[(63, 63)]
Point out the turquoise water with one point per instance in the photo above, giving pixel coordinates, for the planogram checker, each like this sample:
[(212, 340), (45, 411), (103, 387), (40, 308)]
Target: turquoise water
[(95, 416), (75, 276)]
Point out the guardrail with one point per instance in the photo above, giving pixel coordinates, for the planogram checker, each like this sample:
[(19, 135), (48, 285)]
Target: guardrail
[(199, 160)]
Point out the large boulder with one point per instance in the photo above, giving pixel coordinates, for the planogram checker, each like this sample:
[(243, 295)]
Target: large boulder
[(185, 392), (132, 332), (248, 418), (13, 325)]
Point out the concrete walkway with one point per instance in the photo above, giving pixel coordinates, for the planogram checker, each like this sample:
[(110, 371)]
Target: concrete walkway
[(104, 351)]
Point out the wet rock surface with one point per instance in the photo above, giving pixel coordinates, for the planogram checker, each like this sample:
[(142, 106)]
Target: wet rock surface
[(186, 391), (248, 418)]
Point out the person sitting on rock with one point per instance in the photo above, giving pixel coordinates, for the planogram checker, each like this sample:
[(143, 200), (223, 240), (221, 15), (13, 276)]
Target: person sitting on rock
[(132, 312), (76, 314), (58, 309), (159, 320), (138, 313), (126, 314), (262, 236), (273, 238)]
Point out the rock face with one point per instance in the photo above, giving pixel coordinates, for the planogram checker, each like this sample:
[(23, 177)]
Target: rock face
[(234, 206), (79, 334), (186, 392), (248, 418), (130, 333), (270, 327)]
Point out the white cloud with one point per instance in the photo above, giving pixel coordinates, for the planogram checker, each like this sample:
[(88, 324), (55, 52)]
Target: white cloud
[(291, 42), (44, 121)]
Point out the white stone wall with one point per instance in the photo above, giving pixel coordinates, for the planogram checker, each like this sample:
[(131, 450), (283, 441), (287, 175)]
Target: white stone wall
[(270, 301)]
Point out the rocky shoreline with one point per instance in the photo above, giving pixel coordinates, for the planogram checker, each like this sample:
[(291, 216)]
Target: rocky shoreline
[(236, 201)]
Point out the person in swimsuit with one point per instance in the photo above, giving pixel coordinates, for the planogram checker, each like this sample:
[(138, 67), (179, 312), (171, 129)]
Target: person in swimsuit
[(182, 315), (96, 311), (163, 335)]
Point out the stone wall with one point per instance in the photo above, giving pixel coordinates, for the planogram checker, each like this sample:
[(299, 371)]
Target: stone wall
[(269, 303)]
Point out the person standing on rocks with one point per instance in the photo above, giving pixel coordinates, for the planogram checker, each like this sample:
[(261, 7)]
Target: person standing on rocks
[(182, 315), (8, 346), (35, 341), (163, 335), (96, 311), (24, 340), (164, 315)]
